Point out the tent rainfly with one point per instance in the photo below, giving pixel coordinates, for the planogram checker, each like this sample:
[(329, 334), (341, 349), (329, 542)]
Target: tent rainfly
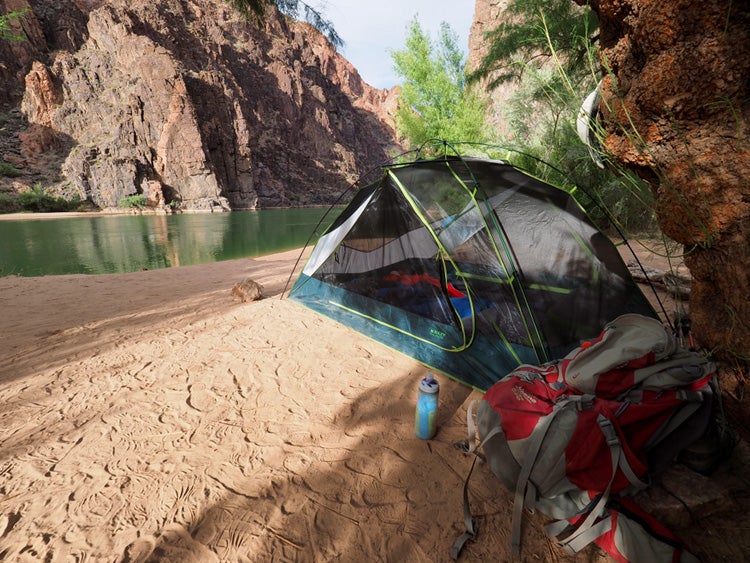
[(470, 266)]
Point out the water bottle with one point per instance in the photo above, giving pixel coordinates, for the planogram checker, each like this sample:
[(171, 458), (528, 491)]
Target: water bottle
[(425, 425)]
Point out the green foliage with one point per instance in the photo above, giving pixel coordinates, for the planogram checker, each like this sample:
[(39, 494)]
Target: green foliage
[(291, 8), (8, 204), (7, 169), (6, 31), (137, 201), (534, 32), (435, 101), (249, 7), (37, 200), (547, 49)]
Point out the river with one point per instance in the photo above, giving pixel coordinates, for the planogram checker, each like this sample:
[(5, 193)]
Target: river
[(101, 244)]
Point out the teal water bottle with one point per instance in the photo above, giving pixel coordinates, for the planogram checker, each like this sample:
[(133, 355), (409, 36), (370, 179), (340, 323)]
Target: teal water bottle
[(425, 424)]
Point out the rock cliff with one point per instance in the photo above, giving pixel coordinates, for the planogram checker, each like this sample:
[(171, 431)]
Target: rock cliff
[(487, 16), (185, 101)]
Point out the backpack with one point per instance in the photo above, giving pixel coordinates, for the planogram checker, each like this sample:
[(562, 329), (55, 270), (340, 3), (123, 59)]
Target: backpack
[(574, 437)]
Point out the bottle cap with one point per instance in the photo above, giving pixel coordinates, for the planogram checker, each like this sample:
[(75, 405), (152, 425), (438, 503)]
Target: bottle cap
[(429, 384)]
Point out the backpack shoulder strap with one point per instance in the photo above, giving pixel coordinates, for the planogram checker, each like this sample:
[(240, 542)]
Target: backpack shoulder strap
[(591, 528), (523, 494)]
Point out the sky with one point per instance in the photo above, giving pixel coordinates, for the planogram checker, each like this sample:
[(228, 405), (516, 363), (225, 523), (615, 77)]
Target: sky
[(371, 30)]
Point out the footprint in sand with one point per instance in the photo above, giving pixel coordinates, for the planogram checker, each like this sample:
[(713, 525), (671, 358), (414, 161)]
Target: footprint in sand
[(200, 398), (139, 550)]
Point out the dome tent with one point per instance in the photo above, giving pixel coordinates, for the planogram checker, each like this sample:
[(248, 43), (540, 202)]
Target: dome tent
[(470, 266)]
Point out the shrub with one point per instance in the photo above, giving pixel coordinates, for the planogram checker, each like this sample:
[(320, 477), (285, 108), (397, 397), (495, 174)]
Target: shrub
[(7, 169), (8, 204), (37, 199), (137, 201)]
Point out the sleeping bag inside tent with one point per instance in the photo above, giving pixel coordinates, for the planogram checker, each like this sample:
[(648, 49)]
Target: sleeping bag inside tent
[(470, 266)]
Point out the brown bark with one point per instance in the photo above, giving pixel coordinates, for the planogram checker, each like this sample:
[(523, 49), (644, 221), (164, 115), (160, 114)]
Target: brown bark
[(675, 107)]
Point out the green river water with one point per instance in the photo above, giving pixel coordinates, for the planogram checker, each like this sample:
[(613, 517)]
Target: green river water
[(100, 244)]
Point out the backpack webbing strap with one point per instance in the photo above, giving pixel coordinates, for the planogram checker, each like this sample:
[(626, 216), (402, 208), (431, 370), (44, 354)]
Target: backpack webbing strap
[(472, 442), (590, 529), (618, 458), (469, 522), (521, 492), (583, 539)]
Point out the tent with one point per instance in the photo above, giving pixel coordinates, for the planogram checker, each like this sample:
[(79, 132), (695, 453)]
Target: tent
[(470, 266)]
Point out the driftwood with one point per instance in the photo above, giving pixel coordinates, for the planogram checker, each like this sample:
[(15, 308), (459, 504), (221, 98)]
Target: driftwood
[(675, 284)]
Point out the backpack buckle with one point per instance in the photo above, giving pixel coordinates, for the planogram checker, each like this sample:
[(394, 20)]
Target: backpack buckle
[(689, 396), (586, 403), (608, 429)]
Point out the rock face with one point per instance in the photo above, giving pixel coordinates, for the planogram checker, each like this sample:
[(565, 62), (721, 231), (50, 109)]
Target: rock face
[(185, 101), (676, 109), (487, 16)]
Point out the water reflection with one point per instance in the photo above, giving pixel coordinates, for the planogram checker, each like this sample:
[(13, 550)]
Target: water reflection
[(110, 244)]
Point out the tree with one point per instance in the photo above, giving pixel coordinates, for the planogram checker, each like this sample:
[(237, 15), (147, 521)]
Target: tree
[(672, 113), (675, 110), (534, 32), (548, 51), (435, 101), (545, 47), (292, 8)]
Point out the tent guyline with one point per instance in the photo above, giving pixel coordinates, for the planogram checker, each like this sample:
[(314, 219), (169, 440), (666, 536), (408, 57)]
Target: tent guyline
[(470, 266)]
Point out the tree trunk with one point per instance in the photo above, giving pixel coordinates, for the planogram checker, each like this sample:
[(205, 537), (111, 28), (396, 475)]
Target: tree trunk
[(675, 109)]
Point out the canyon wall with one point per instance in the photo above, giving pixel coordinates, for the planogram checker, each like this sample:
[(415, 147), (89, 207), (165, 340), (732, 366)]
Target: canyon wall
[(186, 102)]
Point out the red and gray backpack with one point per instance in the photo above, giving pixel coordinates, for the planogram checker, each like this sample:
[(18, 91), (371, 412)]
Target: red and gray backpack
[(575, 437)]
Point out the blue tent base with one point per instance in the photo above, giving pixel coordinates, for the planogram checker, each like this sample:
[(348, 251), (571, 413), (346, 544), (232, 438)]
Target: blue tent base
[(478, 366)]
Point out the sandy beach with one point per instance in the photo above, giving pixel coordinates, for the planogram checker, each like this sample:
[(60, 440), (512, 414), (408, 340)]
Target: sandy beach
[(151, 417)]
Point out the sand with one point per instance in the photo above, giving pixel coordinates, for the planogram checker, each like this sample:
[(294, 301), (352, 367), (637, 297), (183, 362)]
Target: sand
[(149, 414), (151, 417)]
